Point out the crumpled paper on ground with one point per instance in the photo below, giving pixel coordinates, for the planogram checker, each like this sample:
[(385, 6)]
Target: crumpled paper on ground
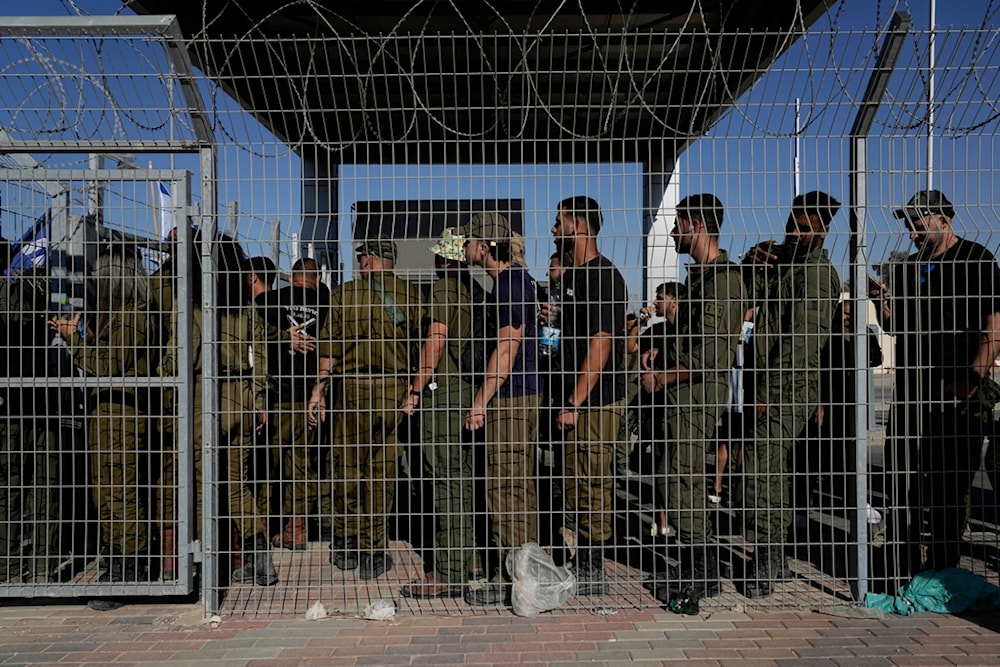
[(380, 610), (316, 612)]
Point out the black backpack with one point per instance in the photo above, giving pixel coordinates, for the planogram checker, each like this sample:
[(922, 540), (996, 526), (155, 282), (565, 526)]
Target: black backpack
[(476, 351)]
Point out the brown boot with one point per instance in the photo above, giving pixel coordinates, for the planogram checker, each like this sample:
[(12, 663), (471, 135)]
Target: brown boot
[(294, 536), (168, 548)]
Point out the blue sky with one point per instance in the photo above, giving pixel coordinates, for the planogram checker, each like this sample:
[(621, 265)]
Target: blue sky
[(746, 159)]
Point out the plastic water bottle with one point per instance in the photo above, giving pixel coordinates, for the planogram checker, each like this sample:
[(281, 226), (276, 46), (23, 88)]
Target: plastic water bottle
[(548, 344)]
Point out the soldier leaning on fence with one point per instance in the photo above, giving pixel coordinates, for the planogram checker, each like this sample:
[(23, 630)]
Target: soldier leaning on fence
[(374, 320), (591, 397), (443, 398), (29, 449), (945, 312), (119, 341), (796, 290), (695, 381)]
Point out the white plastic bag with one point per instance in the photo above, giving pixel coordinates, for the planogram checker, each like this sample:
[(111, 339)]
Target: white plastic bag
[(539, 584)]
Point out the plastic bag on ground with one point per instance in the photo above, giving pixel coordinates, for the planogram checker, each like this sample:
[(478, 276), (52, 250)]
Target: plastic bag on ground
[(538, 583)]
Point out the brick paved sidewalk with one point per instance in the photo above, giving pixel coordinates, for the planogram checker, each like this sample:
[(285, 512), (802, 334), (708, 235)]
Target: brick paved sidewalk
[(177, 634)]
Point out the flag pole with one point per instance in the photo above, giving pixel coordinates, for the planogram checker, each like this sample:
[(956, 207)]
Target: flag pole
[(154, 203)]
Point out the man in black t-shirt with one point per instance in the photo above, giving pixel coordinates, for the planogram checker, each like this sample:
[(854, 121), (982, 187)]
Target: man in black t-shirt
[(945, 313), (302, 306), (590, 400)]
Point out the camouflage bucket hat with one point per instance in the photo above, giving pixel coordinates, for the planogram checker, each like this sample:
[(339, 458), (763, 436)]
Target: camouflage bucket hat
[(450, 246)]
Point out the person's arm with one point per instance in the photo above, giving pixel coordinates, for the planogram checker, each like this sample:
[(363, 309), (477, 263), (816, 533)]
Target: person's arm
[(497, 371), (598, 351), (431, 352), (989, 346)]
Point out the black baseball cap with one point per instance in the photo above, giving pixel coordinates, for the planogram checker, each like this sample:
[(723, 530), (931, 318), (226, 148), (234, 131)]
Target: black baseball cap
[(924, 203)]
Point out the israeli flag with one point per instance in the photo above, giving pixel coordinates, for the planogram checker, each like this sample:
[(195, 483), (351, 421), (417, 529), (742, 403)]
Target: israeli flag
[(166, 210), (33, 247)]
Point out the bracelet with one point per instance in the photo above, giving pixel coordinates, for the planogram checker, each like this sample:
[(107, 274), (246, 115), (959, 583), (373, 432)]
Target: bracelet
[(414, 392)]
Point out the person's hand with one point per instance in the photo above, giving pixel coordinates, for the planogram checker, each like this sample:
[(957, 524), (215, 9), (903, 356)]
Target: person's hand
[(65, 326), (302, 342), (646, 360), (475, 419), (566, 420), (762, 254), (261, 421), (651, 382), (966, 386), (316, 409), (819, 416), (543, 313), (761, 409), (409, 404)]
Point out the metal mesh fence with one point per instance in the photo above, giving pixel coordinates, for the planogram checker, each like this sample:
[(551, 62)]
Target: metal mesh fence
[(790, 442)]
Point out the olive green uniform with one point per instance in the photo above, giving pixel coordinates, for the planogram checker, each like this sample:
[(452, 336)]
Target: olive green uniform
[(373, 324), (794, 318), (442, 414), (116, 430), (707, 338), (29, 452), (242, 397)]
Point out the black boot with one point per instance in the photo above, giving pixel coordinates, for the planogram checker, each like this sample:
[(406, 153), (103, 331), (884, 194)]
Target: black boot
[(698, 579), (344, 552), (759, 574), (257, 564), (124, 568), (589, 570)]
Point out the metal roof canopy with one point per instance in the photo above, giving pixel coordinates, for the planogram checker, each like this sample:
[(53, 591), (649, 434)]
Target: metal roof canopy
[(502, 82)]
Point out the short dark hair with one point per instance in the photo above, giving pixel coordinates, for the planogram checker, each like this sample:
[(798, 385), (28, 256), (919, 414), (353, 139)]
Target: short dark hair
[(264, 269), (673, 289), (705, 207), (586, 208), (304, 264), (817, 203)]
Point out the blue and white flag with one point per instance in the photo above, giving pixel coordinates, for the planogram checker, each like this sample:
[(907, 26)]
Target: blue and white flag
[(166, 210), (33, 247)]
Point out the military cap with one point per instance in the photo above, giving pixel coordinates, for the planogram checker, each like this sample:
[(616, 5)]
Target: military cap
[(379, 245), (487, 227)]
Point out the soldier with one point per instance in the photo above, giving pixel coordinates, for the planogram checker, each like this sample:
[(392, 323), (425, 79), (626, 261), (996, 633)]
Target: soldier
[(119, 341), (945, 312), (304, 306), (373, 321), (443, 398), (590, 400), (506, 403), (695, 381), (29, 452), (796, 289)]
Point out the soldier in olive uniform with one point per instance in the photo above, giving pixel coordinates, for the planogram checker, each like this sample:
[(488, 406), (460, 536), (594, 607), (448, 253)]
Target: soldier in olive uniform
[(119, 341), (796, 289), (29, 454), (696, 384), (373, 322), (443, 398)]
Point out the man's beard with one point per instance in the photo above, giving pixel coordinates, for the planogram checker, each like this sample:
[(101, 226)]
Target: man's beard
[(564, 245)]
